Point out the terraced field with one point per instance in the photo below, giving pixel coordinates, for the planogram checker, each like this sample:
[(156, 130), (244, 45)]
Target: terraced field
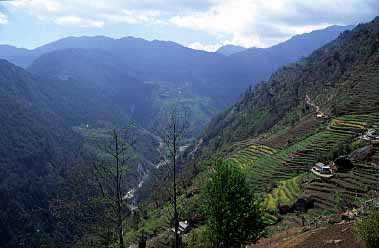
[(307, 126), (359, 182), (265, 165), (285, 194), (360, 93), (246, 157), (375, 155)]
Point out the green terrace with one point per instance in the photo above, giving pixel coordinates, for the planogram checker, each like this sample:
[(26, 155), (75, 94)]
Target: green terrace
[(278, 174), (266, 166), (360, 182), (286, 193), (362, 96)]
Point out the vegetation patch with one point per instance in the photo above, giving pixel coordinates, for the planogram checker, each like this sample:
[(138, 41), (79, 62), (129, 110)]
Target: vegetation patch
[(286, 193)]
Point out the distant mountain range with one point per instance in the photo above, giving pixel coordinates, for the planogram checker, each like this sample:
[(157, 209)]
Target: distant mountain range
[(170, 69), (230, 49)]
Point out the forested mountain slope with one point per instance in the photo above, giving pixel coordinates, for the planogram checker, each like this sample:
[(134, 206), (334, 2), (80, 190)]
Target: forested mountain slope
[(27, 117), (43, 138), (91, 86), (34, 143), (338, 77)]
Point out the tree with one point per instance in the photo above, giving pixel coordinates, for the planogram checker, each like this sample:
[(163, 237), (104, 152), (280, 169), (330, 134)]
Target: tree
[(91, 203), (172, 137), (233, 214), (111, 175)]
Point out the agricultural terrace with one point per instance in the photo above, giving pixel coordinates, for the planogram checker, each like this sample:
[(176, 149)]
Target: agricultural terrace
[(266, 166)]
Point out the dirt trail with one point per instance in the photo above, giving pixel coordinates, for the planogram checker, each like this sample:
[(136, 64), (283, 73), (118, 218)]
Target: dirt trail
[(308, 101)]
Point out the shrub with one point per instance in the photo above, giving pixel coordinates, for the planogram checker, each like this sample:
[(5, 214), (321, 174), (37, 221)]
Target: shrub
[(367, 230)]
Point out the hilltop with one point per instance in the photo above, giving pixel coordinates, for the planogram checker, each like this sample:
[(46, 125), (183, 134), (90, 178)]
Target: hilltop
[(230, 49)]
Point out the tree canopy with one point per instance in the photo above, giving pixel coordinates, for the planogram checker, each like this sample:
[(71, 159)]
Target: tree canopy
[(232, 210)]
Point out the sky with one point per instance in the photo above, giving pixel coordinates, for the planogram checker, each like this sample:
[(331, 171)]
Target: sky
[(199, 24)]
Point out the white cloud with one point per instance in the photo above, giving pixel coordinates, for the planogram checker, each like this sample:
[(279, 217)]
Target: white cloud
[(263, 23), (38, 5), (248, 23), (77, 21), (132, 17), (84, 14), (205, 47), (3, 19)]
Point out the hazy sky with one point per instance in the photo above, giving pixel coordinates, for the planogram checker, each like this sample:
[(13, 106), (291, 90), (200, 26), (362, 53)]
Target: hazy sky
[(201, 24)]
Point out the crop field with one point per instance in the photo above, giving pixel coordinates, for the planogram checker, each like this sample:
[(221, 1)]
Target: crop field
[(248, 156), (359, 182), (375, 155), (285, 194), (266, 165), (361, 93), (282, 137)]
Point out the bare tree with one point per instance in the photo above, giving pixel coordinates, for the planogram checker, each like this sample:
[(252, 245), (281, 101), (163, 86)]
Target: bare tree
[(172, 136), (92, 202), (111, 175)]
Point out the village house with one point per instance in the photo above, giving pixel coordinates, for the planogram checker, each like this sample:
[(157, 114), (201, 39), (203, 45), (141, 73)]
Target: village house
[(370, 135), (184, 227), (322, 170)]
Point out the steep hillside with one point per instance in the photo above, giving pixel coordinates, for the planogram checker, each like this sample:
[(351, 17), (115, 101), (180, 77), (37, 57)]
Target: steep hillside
[(26, 114), (312, 111), (34, 143), (340, 78), (92, 91), (263, 62), (44, 132), (92, 86)]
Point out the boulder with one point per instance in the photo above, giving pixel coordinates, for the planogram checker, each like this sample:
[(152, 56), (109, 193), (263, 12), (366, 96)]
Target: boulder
[(361, 153)]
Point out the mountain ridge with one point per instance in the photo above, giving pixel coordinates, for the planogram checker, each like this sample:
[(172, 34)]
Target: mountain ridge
[(228, 50)]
